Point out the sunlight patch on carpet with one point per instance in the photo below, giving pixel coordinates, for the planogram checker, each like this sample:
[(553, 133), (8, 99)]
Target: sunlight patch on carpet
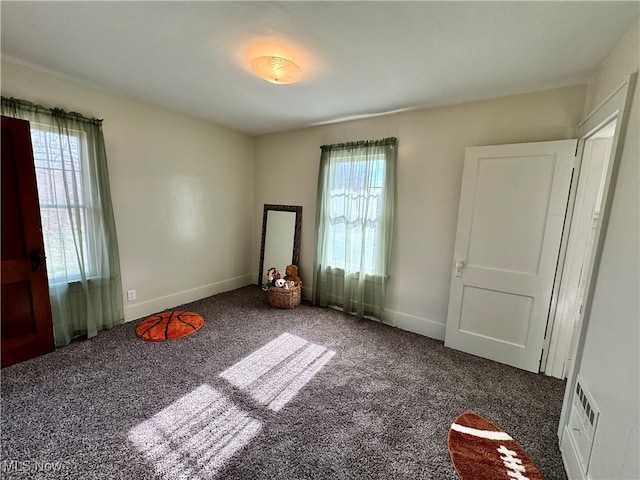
[(195, 435), (276, 372)]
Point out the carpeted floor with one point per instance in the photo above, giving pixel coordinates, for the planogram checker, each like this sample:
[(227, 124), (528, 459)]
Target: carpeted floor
[(260, 393)]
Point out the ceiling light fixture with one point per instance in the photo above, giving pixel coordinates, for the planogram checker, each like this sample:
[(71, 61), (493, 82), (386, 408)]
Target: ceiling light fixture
[(276, 69)]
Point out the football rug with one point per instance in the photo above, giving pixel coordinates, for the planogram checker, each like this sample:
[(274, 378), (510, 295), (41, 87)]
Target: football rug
[(480, 450)]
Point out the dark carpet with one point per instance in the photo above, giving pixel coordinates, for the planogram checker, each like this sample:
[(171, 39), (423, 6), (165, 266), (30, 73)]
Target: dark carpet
[(260, 393)]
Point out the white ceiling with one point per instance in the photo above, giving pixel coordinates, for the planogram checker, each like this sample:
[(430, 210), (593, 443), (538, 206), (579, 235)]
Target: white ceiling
[(359, 58)]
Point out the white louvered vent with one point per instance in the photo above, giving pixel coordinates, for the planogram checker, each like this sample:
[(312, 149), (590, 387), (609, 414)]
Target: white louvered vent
[(583, 421), (585, 401)]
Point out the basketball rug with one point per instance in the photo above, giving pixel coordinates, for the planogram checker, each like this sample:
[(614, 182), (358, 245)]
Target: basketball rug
[(480, 450), (169, 325)]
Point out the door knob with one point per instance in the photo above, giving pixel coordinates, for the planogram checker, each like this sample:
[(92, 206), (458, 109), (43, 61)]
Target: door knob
[(459, 267), (37, 259)]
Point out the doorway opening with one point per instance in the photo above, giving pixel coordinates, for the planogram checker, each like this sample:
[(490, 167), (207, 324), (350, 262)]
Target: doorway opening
[(578, 250)]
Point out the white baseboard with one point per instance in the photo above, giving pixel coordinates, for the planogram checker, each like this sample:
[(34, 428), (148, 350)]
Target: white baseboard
[(147, 307), (419, 325), (306, 293), (404, 321), (570, 458)]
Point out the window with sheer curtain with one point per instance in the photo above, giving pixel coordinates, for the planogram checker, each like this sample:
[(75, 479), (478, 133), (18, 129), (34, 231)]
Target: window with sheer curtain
[(58, 162), (355, 210), (77, 219), (354, 220)]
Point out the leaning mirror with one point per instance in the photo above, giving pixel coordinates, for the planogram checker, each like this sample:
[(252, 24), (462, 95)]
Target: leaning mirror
[(281, 225)]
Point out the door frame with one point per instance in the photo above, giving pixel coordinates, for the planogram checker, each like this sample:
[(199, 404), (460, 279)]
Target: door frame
[(573, 261), (617, 107)]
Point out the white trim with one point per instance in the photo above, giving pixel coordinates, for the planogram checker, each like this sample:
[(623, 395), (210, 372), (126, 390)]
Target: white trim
[(570, 458), (617, 105), (404, 321), (142, 309), (488, 434), (603, 103), (306, 293), (411, 323)]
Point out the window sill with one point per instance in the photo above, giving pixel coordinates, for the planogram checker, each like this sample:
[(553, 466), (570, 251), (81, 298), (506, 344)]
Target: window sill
[(93, 282)]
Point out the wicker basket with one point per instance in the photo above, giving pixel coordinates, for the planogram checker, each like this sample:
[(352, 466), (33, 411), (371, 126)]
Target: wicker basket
[(285, 297)]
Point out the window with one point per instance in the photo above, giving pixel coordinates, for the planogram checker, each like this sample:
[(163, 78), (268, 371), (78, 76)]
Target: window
[(355, 209), (356, 193), (79, 233), (63, 205)]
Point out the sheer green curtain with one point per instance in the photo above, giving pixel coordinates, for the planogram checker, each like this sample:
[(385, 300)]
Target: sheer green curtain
[(354, 225), (77, 219)]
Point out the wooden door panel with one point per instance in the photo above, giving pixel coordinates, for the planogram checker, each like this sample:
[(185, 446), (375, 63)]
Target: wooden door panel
[(512, 208), (27, 329), (500, 316), (526, 182), (17, 314), (13, 242)]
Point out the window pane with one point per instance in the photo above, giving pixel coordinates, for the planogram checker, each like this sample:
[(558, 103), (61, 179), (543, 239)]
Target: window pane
[(59, 230), (62, 204), (336, 249), (355, 207)]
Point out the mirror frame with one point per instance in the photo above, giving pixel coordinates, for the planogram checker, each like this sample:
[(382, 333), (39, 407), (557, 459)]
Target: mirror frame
[(295, 255)]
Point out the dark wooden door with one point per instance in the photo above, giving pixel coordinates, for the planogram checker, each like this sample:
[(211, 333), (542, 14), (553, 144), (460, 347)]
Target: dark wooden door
[(27, 329)]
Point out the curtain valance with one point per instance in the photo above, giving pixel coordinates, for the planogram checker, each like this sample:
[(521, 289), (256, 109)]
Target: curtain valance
[(391, 141), (15, 104)]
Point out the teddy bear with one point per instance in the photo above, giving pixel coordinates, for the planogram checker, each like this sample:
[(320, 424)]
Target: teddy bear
[(291, 274), (280, 283)]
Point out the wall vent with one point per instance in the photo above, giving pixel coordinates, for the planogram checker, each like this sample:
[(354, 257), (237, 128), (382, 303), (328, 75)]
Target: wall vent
[(589, 413), (583, 421)]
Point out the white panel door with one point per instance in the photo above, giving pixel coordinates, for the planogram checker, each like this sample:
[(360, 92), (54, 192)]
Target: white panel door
[(512, 209)]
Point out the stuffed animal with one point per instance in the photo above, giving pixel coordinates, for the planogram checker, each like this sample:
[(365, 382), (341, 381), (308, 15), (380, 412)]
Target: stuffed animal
[(291, 274), (280, 282), (272, 275), (289, 284)]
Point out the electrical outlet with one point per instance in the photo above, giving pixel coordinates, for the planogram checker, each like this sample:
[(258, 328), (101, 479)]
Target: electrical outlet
[(131, 295)]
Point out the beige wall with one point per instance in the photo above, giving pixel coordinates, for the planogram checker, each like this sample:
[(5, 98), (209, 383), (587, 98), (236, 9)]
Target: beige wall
[(182, 191), (430, 157), (610, 364), (613, 71)]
